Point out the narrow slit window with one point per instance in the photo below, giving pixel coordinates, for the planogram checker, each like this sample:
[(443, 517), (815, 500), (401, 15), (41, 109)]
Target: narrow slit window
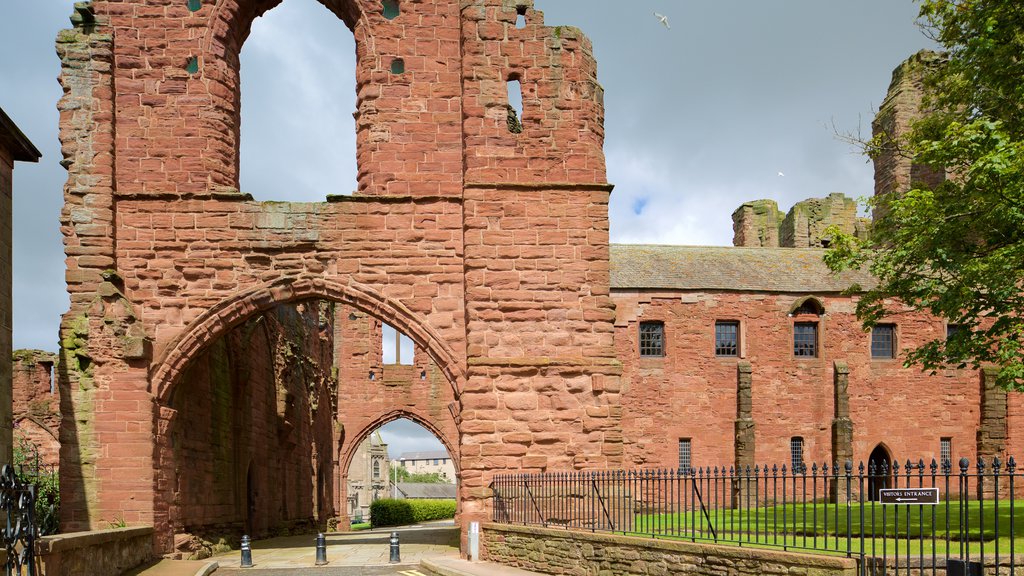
[(389, 8), (685, 455), (520, 17), (945, 451), (398, 66), (515, 106), (796, 453)]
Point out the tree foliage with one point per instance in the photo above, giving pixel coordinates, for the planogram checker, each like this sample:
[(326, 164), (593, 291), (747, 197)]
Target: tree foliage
[(47, 483), (402, 474), (955, 248)]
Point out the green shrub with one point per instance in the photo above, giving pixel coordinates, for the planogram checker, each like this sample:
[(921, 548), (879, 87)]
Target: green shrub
[(388, 512)]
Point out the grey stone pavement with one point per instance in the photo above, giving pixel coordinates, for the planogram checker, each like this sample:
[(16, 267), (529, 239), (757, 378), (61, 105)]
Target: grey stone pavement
[(365, 550), (427, 550)]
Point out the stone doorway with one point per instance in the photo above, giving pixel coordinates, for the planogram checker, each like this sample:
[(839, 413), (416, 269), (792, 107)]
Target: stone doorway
[(881, 461)]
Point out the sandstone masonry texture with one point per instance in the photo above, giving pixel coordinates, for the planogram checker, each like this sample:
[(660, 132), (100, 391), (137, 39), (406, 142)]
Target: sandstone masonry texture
[(488, 248)]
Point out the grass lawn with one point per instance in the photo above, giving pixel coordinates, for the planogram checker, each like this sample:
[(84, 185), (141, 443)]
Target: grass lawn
[(915, 530)]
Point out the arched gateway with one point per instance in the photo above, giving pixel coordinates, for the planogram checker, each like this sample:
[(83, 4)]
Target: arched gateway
[(487, 246)]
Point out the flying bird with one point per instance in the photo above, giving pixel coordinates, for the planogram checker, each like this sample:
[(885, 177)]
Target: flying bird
[(781, 174), (663, 19)]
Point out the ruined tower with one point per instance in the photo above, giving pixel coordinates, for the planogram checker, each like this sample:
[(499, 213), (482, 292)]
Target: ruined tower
[(483, 242)]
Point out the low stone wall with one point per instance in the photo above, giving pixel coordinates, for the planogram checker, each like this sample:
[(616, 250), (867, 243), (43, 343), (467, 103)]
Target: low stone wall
[(97, 553), (587, 554)]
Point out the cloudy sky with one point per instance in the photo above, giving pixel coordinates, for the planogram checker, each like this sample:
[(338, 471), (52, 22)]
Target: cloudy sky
[(700, 117)]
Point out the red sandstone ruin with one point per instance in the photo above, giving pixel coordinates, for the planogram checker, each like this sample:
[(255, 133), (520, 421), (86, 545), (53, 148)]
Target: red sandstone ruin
[(220, 361)]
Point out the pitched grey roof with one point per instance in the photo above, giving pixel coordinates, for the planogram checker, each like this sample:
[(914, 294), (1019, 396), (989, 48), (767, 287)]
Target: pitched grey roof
[(801, 270), (414, 490), (434, 454)]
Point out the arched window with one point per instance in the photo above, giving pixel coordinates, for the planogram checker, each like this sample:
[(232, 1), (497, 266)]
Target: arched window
[(298, 92), (376, 469)]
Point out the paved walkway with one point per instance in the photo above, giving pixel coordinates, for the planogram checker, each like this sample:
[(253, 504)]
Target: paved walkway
[(428, 550), (366, 548)]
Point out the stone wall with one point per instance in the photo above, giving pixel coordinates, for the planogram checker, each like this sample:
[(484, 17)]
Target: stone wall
[(756, 223), (692, 393), (589, 554), (760, 223), (109, 552), (36, 404), (806, 223), (895, 171)]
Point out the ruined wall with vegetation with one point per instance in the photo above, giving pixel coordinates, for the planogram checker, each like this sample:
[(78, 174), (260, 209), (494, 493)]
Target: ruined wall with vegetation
[(36, 407), (895, 170), (760, 223)]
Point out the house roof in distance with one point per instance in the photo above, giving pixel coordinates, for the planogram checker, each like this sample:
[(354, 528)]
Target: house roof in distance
[(800, 270), (430, 455), (415, 490), (14, 140)]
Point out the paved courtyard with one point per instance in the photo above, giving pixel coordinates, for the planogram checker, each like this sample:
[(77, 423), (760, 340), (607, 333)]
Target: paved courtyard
[(331, 571), (369, 550)]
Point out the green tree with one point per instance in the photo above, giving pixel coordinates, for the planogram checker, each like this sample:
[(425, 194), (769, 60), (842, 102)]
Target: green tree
[(955, 248), (402, 474)]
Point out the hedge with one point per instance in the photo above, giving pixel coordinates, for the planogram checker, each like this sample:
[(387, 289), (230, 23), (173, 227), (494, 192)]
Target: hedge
[(389, 512)]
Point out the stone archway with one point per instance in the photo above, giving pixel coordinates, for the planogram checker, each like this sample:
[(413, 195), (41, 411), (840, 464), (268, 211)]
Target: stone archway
[(219, 318), (350, 446), (220, 360)]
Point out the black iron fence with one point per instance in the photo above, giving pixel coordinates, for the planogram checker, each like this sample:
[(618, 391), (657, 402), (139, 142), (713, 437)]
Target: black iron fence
[(895, 519), (17, 505)]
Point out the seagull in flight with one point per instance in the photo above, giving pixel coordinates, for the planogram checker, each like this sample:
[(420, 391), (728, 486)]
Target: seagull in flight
[(663, 19), (781, 174)]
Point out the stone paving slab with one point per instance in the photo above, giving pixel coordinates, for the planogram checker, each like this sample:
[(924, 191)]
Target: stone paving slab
[(175, 568), (460, 567)]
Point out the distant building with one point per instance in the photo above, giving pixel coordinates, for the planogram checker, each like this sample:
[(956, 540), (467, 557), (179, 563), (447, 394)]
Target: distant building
[(14, 147), (421, 491), (427, 463), (368, 476)]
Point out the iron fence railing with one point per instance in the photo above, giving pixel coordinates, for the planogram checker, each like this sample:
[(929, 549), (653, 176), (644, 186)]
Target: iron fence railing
[(934, 516), (17, 505)]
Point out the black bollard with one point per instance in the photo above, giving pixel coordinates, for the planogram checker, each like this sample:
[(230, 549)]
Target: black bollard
[(246, 553), (321, 549), (395, 556)]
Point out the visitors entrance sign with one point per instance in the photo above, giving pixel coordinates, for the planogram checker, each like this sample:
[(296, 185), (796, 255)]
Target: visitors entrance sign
[(926, 496)]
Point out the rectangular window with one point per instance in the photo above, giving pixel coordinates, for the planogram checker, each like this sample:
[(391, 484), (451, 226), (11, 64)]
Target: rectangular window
[(796, 453), (952, 329), (946, 451), (685, 455), (652, 339), (727, 338), (883, 341), (805, 339)]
